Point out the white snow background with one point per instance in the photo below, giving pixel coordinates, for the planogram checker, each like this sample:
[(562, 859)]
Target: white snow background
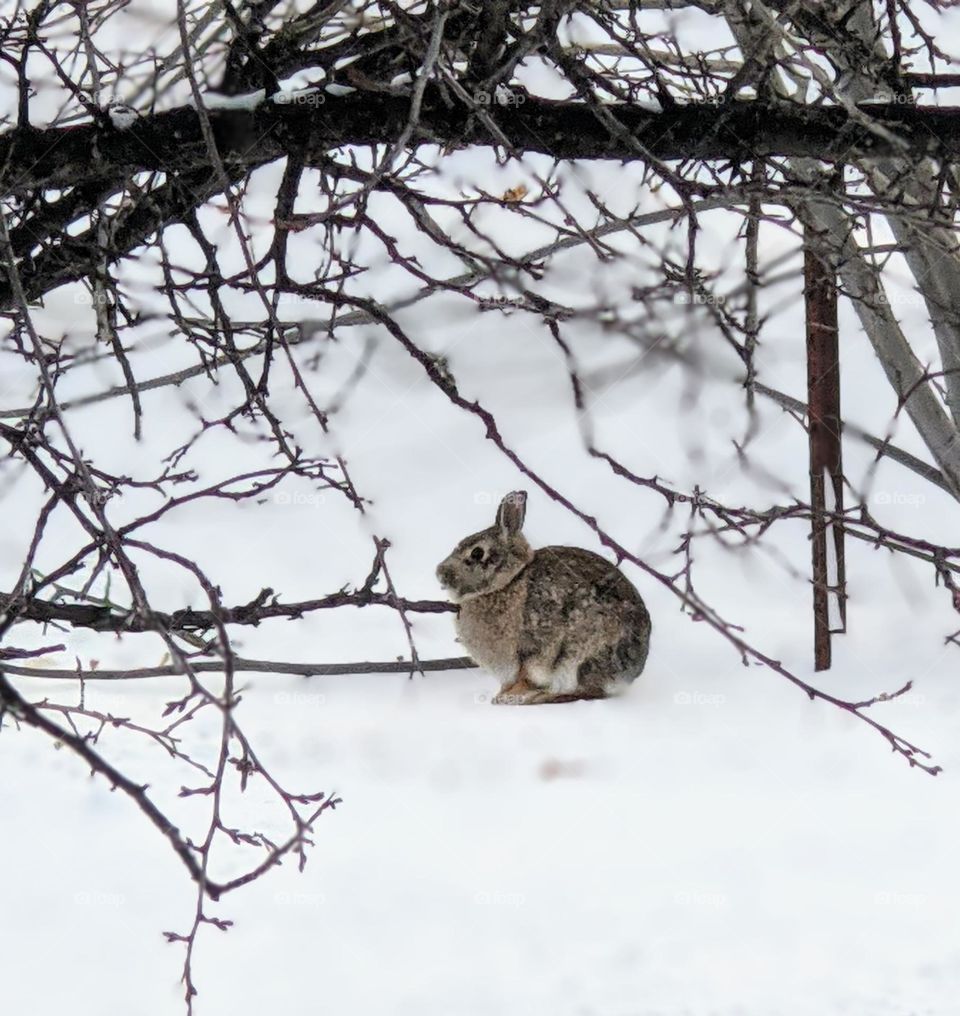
[(710, 843)]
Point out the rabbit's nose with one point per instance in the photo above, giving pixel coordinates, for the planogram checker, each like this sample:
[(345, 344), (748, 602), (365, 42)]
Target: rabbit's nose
[(443, 574)]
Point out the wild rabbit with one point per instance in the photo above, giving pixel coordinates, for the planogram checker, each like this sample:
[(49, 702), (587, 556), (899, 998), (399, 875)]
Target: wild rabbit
[(555, 624)]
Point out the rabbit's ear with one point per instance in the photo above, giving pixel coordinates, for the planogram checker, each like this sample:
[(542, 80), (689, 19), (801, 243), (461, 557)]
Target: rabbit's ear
[(511, 512)]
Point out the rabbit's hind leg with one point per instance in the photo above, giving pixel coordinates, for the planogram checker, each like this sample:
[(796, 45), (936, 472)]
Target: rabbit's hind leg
[(518, 691), (576, 682), (570, 681)]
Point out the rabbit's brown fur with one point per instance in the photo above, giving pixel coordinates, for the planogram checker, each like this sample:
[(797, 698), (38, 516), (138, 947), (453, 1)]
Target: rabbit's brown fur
[(556, 624)]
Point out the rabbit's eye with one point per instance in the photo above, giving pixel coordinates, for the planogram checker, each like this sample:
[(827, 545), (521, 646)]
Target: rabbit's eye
[(476, 554)]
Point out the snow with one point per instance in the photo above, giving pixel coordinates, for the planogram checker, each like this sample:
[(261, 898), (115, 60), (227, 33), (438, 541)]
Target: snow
[(249, 101), (711, 842), (751, 855)]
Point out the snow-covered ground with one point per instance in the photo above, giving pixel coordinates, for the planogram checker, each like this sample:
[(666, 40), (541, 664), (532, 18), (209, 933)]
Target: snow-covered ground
[(711, 843)]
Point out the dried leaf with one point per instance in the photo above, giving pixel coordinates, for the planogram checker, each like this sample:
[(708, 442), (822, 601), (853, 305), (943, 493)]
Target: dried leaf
[(515, 194)]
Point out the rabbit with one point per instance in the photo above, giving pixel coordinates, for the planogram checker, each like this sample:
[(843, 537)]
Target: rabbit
[(555, 624)]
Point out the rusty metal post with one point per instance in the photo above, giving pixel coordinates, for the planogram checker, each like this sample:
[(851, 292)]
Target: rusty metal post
[(826, 465)]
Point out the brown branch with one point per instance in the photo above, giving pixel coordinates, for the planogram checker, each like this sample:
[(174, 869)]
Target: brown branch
[(98, 617), (399, 666)]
